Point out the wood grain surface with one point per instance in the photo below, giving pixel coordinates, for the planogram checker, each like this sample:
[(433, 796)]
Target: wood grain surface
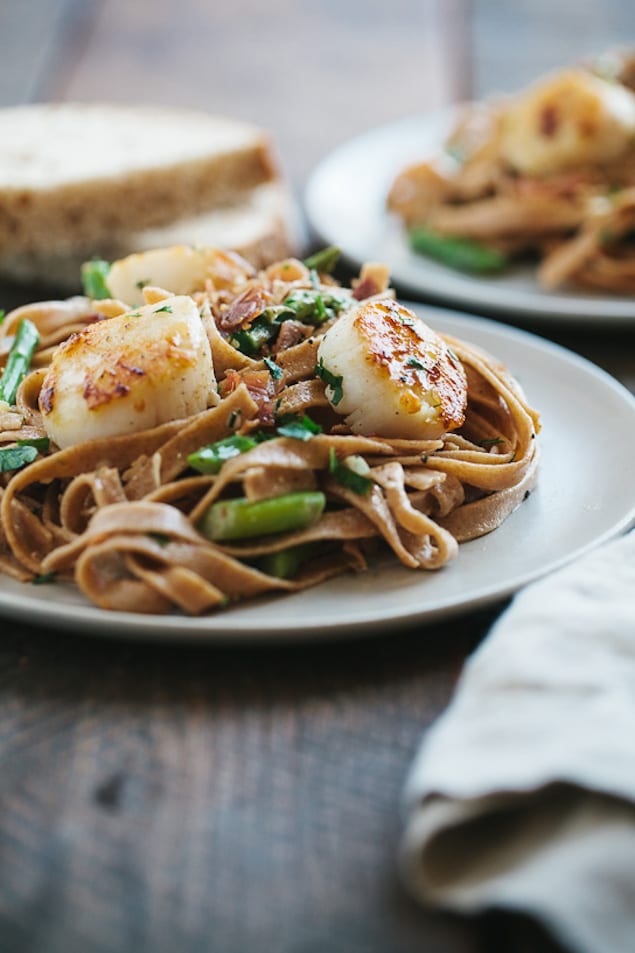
[(180, 799), (315, 74)]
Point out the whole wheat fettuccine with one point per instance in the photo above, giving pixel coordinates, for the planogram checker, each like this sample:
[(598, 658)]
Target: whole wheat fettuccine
[(122, 516)]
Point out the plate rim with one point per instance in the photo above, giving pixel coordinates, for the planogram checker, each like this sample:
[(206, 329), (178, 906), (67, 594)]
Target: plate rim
[(219, 628)]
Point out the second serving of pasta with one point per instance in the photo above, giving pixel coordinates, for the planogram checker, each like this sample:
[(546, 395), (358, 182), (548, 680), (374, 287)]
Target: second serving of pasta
[(546, 175)]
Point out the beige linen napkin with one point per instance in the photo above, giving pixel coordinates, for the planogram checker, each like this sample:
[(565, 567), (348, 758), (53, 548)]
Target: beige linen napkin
[(522, 796)]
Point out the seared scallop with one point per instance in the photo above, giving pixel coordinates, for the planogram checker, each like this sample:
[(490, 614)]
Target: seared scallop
[(567, 120), (128, 373), (391, 375), (179, 269)]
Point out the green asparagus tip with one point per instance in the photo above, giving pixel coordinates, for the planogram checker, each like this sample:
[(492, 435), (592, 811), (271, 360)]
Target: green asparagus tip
[(464, 254), (19, 359), (324, 260), (94, 275), (210, 459), (241, 518)]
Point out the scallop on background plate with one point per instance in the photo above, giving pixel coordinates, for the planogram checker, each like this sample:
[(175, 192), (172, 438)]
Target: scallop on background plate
[(585, 495), (345, 203)]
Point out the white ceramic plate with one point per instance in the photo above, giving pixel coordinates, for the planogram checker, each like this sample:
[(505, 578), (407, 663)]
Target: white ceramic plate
[(586, 494), (345, 202)]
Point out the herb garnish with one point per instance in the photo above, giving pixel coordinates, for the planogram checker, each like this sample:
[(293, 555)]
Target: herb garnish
[(274, 369), (40, 443), (347, 473), (161, 538), (334, 381), (44, 578), (298, 427), (415, 362), (13, 458), (315, 305), (320, 307)]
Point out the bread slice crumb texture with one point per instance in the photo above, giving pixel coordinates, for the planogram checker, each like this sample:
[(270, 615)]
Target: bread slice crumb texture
[(72, 173)]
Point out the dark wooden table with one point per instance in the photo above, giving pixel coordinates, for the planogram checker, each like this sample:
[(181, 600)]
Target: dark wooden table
[(169, 798)]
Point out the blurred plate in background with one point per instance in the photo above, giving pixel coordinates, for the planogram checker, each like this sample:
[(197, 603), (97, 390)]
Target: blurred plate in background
[(345, 203)]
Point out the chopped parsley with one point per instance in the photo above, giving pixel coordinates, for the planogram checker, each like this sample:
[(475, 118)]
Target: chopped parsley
[(298, 427), (166, 307), (161, 538), (334, 381), (415, 362), (40, 443), (13, 458), (274, 369), (350, 473), (44, 578), (320, 307), (3, 315)]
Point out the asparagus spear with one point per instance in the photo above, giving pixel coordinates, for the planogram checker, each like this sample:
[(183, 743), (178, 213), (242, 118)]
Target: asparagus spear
[(324, 260), (250, 340), (241, 518), (464, 254), (210, 459), (286, 562), (19, 359), (94, 275), (315, 306), (13, 458)]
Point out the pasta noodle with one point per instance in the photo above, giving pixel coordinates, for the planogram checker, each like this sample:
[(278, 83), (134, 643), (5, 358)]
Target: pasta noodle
[(122, 516)]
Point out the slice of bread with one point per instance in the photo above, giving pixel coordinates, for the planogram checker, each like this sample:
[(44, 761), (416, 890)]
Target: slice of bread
[(263, 227), (74, 174)]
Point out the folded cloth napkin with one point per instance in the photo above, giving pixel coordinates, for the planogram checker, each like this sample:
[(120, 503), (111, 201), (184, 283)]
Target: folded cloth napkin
[(522, 796)]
